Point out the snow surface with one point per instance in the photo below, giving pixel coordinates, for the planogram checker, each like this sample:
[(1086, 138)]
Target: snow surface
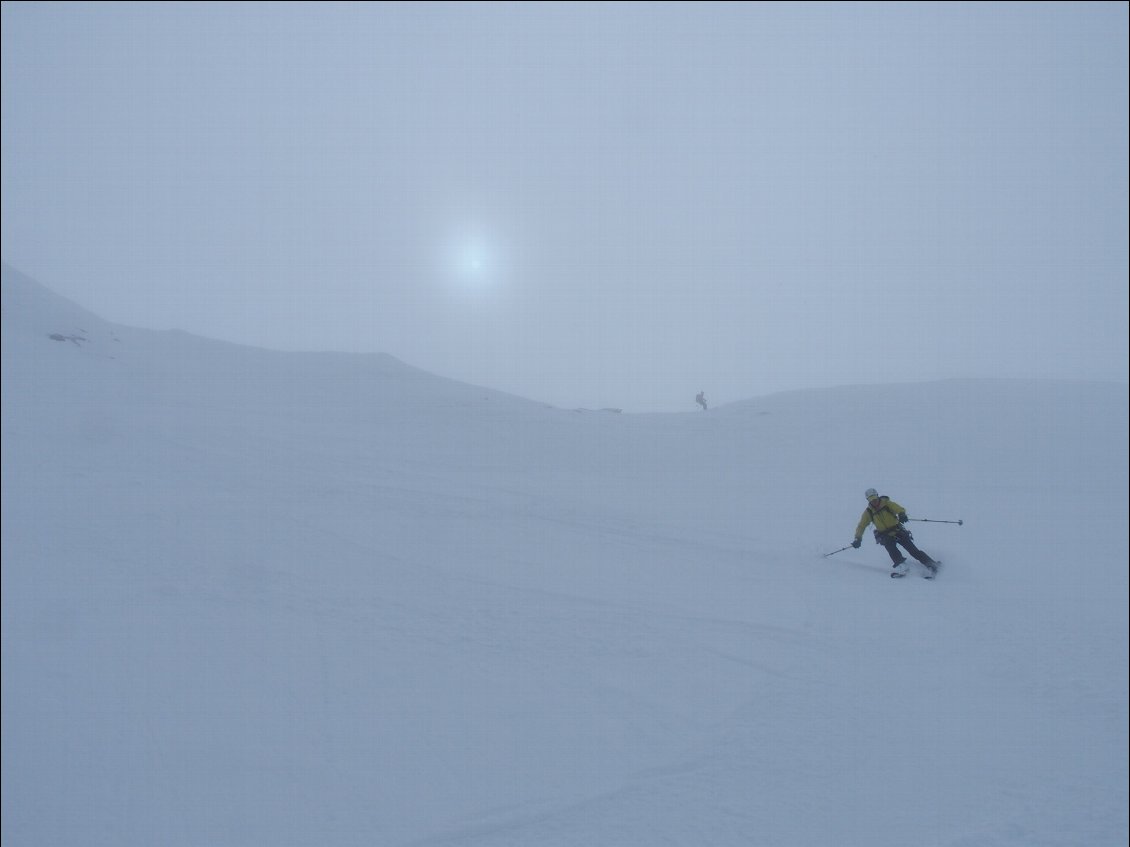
[(263, 598)]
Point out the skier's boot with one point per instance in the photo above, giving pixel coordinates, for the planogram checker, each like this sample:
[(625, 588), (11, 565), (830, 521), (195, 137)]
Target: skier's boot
[(929, 564)]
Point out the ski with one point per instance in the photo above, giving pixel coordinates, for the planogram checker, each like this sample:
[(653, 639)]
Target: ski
[(930, 573)]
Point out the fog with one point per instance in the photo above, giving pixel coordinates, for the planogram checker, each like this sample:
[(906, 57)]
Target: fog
[(599, 205)]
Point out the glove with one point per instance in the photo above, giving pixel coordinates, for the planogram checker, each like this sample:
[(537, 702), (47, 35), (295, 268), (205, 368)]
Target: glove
[(855, 544), (902, 517)]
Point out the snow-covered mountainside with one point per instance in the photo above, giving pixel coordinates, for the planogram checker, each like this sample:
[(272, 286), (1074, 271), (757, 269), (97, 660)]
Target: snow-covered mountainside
[(263, 598)]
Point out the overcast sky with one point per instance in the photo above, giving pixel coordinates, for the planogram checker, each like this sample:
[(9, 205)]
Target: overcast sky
[(587, 204)]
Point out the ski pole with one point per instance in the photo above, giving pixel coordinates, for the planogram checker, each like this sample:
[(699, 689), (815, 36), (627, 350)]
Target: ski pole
[(927, 520), (834, 552)]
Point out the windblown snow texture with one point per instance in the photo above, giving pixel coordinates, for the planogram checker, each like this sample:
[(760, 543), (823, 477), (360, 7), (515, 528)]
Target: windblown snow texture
[(262, 598)]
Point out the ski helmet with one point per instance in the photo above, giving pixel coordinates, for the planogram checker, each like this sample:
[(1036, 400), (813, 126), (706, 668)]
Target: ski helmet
[(871, 494)]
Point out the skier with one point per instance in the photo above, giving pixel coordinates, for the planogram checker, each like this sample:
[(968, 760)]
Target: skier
[(701, 400), (888, 518)]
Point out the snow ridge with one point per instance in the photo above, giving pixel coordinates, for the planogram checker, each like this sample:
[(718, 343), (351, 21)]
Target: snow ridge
[(253, 597)]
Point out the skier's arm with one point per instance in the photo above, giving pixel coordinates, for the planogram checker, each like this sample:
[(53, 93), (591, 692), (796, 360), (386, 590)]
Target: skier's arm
[(897, 510), (863, 521)]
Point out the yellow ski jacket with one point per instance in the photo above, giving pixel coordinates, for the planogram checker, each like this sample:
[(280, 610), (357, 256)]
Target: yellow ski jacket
[(885, 518)]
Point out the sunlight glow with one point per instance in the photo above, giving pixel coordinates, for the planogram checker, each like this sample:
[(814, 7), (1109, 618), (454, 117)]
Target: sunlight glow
[(474, 261)]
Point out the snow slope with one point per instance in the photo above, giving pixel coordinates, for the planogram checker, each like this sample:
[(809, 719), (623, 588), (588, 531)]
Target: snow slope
[(262, 598)]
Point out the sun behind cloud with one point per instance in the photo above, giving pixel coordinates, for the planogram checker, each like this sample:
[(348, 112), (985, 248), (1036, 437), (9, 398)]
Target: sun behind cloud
[(474, 261)]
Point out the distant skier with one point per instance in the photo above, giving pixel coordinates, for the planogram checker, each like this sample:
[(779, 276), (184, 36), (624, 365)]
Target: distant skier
[(888, 518), (701, 400)]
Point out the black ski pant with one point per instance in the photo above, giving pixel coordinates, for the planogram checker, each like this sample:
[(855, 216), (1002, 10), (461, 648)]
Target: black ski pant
[(891, 540)]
